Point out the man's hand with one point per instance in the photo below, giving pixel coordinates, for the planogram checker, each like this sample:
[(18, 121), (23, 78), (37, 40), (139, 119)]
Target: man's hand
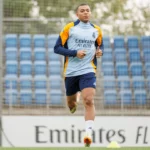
[(81, 53), (99, 52)]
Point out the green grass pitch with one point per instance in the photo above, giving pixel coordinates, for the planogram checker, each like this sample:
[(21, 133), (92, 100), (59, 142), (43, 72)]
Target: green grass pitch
[(90, 148)]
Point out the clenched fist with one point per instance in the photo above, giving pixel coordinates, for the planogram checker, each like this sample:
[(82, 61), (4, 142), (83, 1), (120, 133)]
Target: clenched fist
[(81, 53), (99, 52)]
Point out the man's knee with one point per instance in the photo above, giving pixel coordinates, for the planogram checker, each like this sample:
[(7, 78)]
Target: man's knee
[(88, 100)]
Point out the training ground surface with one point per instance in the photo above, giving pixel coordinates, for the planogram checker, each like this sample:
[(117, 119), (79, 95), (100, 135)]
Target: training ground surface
[(91, 148)]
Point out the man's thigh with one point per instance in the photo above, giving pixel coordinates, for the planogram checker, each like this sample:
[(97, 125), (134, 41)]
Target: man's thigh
[(88, 93)]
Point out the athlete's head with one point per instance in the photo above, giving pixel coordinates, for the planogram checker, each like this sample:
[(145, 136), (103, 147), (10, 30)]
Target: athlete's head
[(83, 12)]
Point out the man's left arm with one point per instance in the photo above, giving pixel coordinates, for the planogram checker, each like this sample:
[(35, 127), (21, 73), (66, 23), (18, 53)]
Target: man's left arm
[(99, 44)]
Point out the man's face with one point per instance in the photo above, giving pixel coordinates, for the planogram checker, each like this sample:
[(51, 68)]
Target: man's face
[(84, 13)]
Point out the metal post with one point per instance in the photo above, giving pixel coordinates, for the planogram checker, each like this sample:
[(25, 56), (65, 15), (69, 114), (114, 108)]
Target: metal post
[(11, 96), (1, 67), (122, 90)]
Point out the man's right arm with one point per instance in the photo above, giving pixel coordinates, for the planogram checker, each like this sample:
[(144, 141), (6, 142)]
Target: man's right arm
[(61, 44), (60, 49)]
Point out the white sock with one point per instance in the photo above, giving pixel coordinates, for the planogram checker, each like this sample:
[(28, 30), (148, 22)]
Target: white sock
[(89, 125)]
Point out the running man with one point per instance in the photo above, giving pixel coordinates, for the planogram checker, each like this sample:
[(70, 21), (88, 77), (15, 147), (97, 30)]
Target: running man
[(81, 44)]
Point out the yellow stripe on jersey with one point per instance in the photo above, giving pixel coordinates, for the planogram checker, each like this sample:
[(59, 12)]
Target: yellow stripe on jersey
[(64, 34), (99, 38), (93, 65), (65, 65)]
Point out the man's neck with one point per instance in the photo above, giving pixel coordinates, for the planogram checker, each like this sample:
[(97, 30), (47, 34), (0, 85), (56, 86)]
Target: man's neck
[(84, 21)]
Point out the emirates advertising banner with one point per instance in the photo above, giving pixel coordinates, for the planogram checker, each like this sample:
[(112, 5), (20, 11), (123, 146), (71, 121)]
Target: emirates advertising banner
[(67, 131)]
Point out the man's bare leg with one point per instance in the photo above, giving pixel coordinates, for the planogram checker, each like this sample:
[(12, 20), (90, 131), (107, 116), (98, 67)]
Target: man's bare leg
[(72, 101), (88, 101)]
